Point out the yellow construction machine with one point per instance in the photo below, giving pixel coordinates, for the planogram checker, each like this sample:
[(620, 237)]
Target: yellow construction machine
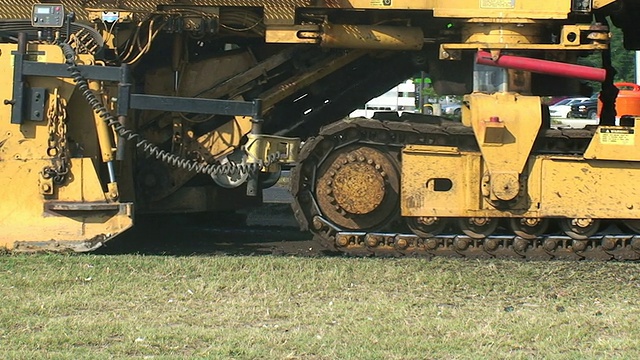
[(116, 108)]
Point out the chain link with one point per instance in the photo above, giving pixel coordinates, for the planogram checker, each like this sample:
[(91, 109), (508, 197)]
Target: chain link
[(57, 147)]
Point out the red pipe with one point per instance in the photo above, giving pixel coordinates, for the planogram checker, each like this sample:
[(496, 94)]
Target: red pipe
[(542, 66)]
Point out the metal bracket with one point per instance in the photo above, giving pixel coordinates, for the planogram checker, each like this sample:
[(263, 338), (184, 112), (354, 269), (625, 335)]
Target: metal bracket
[(36, 98), (262, 147)]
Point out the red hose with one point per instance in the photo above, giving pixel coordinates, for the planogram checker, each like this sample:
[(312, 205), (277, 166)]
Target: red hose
[(542, 66)]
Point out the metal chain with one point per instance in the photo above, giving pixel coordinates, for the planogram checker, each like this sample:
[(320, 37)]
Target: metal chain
[(57, 142), (150, 148)]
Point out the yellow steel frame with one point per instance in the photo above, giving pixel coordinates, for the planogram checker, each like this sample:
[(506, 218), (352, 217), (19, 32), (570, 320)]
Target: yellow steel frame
[(77, 214), (556, 186)]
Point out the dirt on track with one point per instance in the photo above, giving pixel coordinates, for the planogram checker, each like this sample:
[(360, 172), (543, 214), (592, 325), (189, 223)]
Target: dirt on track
[(268, 230)]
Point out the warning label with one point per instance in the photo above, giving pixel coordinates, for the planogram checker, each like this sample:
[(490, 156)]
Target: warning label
[(380, 2), (617, 136), (497, 4)]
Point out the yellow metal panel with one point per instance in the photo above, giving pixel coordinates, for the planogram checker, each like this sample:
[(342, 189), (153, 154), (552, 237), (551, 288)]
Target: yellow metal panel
[(558, 186), (223, 140), (35, 213), (597, 4), (505, 126), (423, 167), (23, 215), (590, 189), (503, 9), (615, 143), (379, 4), (85, 185)]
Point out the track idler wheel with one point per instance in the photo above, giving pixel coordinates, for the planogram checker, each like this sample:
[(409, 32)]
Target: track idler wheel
[(528, 228), (358, 188), (425, 226), (478, 227), (580, 229)]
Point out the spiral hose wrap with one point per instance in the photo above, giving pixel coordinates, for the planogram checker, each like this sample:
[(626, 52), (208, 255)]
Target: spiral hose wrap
[(145, 145)]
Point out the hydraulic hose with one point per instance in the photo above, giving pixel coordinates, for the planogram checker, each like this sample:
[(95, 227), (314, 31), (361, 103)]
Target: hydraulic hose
[(145, 145)]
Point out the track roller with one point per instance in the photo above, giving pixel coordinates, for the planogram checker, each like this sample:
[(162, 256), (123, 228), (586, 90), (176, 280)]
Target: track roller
[(528, 228), (426, 227), (580, 229), (478, 227)]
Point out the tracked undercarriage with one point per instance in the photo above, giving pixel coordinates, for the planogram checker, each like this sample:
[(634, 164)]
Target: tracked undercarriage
[(347, 193), (112, 109)]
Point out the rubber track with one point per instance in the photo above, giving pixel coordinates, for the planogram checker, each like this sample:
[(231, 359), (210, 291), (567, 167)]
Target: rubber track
[(392, 135)]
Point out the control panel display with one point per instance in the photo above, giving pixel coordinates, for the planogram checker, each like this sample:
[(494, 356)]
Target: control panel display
[(47, 15)]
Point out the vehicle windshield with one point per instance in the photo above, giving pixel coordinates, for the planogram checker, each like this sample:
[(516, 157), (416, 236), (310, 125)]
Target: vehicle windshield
[(562, 102)]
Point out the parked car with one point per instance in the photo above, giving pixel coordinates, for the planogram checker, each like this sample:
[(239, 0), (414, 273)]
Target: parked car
[(562, 108), (585, 110), (452, 109)]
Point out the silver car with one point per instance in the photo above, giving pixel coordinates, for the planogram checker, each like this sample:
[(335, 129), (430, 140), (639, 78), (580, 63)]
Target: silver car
[(562, 108)]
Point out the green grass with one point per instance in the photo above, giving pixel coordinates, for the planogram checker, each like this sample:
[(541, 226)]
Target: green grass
[(267, 307)]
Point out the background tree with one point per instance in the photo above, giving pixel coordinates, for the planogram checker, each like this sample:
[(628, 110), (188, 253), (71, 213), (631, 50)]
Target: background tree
[(622, 60)]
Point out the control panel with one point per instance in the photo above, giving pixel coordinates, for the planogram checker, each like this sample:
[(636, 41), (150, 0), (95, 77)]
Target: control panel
[(47, 15)]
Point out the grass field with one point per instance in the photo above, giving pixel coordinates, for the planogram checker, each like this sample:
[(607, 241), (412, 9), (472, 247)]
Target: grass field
[(270, 307)]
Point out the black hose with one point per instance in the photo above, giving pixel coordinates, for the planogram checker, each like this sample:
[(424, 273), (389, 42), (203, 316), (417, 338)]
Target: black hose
[(145, 145)]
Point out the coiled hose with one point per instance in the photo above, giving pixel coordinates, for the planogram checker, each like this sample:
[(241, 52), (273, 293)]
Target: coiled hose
[(145, 145)]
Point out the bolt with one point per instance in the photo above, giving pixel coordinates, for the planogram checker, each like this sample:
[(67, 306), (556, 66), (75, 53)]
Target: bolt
[(608, 243), (431, 244), (351, 158), (479, 221), (342, 241), (361, 158), (578, 245), (372, 241), (583, 223), (520, 245), (427, 220), (461, 244), (317, 224), (46, 188), (491, 244), (36, 113), (402, 244), (550, 244)]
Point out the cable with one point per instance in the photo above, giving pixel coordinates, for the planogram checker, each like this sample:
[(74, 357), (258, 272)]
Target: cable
[(145, 145)]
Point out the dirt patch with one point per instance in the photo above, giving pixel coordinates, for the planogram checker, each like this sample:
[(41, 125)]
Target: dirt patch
[(268, 230)]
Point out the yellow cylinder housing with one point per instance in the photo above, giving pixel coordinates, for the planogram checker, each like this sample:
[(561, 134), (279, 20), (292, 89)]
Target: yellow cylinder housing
[(501, 33), (372, 37)]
